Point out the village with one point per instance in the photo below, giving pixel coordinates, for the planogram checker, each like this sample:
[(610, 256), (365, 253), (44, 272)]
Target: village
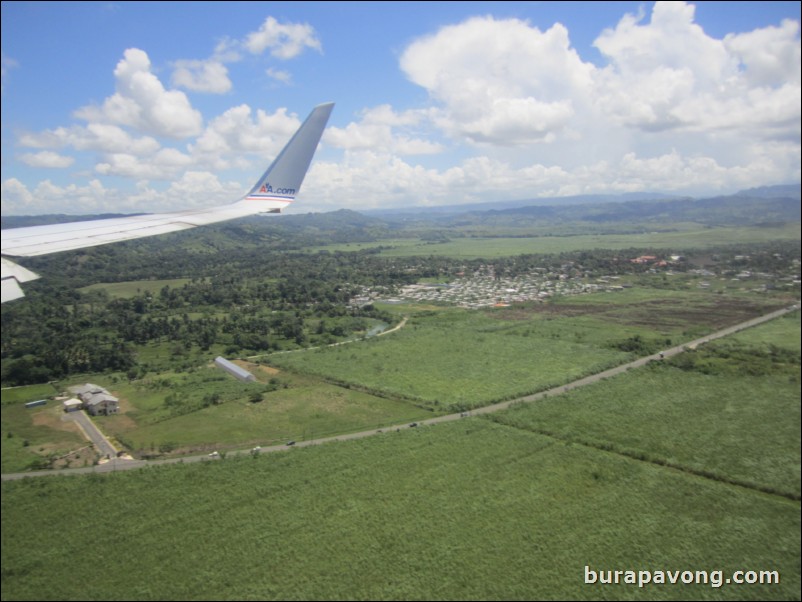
[(484, 288)]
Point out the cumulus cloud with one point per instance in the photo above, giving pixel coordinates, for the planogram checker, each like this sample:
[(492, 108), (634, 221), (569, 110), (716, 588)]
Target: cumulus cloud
[(209, 76), (166, 164), (100, 137), (770, 56), (669, 74), (17, 199), (192, 189), (500, 81), (372, 179), (46, 159), (506, 82), (284, 40), (239, 131), (379, 128), (670, 108), (143, 103), (673, 108)]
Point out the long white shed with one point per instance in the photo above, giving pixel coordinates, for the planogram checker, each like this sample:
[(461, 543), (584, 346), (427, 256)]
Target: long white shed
[(234, 370)]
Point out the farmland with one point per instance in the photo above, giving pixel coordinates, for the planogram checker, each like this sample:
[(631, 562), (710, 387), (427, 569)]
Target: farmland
[(469, 510), (700, 473), (295, 406), (728, 410), (450, 360), (691, 463), (491, 247)]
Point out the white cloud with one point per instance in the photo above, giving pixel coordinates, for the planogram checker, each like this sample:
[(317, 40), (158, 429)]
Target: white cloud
[(377, 130), (192, 189), (505, 82), (17, 199), (47, 197), (166, 164), (770, 56), (209, 76), (673, 110), (373, 179), (500, 81), (285, 41), (238, 131), (46, 159), (94, 136), (142, 102), (6, 64), (669, 74), (285, 77)]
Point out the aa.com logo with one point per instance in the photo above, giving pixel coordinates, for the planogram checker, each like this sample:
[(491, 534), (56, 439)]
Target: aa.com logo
[(266, 188)]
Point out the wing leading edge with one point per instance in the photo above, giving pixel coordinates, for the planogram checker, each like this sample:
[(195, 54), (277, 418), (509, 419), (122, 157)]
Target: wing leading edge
[(276, 189)]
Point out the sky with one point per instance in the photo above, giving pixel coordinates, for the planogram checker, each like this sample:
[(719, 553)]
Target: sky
[(157, 106)]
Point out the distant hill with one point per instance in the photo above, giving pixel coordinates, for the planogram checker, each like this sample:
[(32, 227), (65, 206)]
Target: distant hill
[(755, 206), (749, 207), (582, 199), (791, 191)]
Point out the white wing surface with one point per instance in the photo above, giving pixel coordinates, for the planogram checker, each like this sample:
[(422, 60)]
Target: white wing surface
[(276, 189)]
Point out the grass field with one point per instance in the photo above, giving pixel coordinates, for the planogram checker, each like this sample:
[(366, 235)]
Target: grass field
[(126, 290), (469, 510), (306, 408), (688, 464), (450, 360), (22, 395), (30, 437), (493, 247), (737, 427)]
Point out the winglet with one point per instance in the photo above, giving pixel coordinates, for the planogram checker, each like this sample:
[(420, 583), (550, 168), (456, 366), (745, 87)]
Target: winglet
[(274, 190), (283, 178)]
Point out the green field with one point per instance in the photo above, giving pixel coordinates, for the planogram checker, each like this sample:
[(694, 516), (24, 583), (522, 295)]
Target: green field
[(469, 510), (479, 247), (127, 290), (305, 408), (691, 464), (718, 421), (457, 360), (33, 436), (451, 360), (21, 395)]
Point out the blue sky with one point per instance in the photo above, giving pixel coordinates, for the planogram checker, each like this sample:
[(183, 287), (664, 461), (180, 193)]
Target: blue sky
[(156, 106)]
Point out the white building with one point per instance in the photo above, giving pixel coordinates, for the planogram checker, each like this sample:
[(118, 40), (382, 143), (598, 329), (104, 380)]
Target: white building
[(234, 370)]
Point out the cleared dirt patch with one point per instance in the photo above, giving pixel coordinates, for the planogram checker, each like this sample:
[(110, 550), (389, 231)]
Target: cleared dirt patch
[(661, 314)]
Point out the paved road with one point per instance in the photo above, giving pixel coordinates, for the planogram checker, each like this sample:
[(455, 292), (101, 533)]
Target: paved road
[(93, 434), (123, 464)]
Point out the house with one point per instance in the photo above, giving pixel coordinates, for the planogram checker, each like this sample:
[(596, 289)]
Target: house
[(96, 400), (102, 404)]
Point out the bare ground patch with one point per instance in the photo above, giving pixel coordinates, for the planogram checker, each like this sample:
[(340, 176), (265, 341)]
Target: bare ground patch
[(660, 314), (53, 418)]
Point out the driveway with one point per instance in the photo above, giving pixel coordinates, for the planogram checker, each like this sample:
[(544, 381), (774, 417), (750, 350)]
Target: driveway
[(93, 434)]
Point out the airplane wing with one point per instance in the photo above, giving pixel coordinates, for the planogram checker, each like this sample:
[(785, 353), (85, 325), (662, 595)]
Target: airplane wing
[(276, 189)]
